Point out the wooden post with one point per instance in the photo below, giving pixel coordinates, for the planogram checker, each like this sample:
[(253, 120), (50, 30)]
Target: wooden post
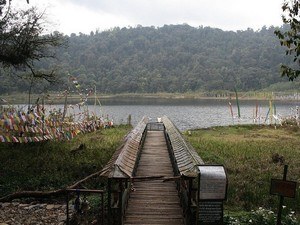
[(102, 210), (190, 213), (120, 201), (198, 199), (129, 119), (109, 200), (67, 208), (281, 198), (190, 194)]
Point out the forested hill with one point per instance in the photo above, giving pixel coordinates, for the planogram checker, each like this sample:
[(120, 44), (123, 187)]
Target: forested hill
[(173, 58)]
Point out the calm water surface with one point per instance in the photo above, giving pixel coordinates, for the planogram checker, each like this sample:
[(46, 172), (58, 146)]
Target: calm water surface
[(185, 113), (190, 114)]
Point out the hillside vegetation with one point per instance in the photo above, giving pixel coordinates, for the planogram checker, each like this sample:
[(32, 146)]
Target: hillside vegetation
[(173, 58)]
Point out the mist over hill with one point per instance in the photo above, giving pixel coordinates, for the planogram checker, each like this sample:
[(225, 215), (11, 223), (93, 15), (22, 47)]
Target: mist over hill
[(172, 58)]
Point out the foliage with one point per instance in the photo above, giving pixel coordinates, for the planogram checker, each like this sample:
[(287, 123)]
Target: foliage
[(252, 155), (23, 41), (290, 37), (262, 216), (53, 165), (173, 58)]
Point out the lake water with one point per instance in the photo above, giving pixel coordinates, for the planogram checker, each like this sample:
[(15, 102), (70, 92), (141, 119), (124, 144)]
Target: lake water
[(190, 114)]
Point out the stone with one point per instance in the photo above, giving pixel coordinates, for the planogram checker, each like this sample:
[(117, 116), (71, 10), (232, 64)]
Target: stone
[(43, 205), (34, 214), (49, 207), (62, 218), (57, 206), (32, 207), (5, 204)]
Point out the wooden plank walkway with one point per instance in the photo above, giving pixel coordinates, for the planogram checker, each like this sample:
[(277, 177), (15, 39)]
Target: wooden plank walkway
[(154, 201)]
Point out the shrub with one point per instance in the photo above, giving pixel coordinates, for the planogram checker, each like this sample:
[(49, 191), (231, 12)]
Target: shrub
[(262, 216)]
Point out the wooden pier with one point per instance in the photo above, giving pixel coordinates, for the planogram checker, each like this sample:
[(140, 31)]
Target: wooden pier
[(151, 177), (157, 178), (154, 201)]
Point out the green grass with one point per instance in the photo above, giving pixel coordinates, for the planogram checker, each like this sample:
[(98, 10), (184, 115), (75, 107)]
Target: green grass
[(51, 165), (246, 152)]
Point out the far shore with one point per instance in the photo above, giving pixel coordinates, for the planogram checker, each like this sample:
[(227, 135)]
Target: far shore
[(56, 98)]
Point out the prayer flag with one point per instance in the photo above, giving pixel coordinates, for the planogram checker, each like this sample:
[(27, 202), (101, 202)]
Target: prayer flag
[(237, 103)]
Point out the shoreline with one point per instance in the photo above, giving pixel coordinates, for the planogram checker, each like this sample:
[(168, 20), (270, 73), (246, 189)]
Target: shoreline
[(56, 98)]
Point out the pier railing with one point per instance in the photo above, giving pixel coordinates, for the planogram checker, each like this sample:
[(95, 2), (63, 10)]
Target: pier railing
[(184, 161), (120, 170)]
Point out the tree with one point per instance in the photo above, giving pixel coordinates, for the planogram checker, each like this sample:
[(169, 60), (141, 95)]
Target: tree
[(23, 42), (290, 37)]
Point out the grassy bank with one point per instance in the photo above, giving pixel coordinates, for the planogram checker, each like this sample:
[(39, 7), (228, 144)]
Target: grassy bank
[(54, 165), (252, 156)]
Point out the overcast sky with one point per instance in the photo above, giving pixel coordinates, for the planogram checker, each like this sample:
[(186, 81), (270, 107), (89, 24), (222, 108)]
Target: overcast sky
[(74, 16)]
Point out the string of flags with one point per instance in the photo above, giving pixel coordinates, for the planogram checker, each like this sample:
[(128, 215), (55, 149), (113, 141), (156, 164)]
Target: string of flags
[(20, 127), (271, 115), (34, 126), (83, 97)]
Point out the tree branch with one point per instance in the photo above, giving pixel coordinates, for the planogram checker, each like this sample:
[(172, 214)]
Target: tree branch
[(46, 194)]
